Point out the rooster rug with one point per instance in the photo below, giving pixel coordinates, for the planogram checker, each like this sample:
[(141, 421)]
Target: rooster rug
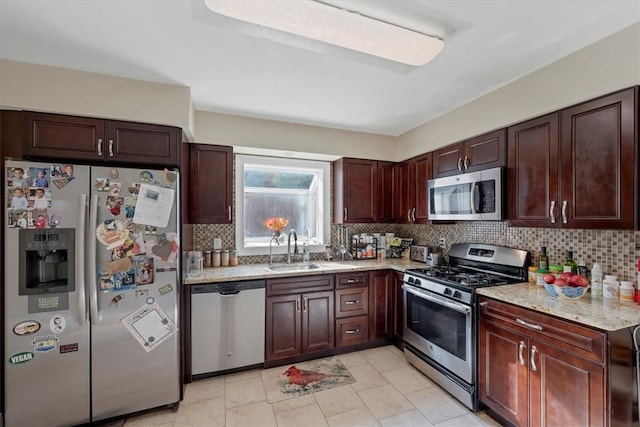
[(303, 378)]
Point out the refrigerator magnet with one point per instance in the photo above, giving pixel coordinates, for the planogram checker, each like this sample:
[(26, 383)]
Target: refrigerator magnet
[(165, 289), (54, 221), (115, 300), (149, 325), (118, 265), (45, 344), (39, 177), (114, 188), (115, 204), (113, 173), (18, 218), (22, 357), (144, 271), (17, 177), (134, 188), (169, 177), (102, 184), (146, 176), (40, 218), (141, 293), (57, 323), (129, 207), (124, 280), (112, 233), (28, 327), (105, 280)]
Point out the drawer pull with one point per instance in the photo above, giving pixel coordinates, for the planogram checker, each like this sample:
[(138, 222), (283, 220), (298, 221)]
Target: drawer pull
[(352, 302), (352, 331), (352, 280), (529, 325), (520, 348)]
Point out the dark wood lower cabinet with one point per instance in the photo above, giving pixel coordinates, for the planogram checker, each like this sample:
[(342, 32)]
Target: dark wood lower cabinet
[(299, 322), (398, 306), (527, 377), (381, 322)]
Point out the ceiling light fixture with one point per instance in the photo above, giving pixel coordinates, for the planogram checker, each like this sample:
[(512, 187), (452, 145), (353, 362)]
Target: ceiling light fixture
[(335, 26)]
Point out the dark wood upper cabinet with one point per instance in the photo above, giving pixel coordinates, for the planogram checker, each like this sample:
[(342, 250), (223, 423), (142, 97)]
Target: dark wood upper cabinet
[(387, 198), (480, 152), (96, 140), (355, 185), (576, 168), (211, 184), (411, 185)]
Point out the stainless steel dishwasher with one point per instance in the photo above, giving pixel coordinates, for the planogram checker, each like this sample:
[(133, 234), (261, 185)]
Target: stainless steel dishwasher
[(227, 326)]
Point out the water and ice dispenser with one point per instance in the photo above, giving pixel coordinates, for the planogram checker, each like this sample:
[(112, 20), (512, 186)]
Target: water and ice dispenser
[(46, 260)]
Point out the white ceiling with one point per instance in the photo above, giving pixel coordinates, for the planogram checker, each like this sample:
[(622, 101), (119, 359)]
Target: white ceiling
[(487, 44)]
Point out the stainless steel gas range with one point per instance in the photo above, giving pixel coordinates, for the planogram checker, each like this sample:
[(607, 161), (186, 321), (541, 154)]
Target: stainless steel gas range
[(440, 312)]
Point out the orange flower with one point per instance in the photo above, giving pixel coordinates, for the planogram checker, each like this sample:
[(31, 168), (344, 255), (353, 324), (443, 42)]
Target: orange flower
[(276, 223)]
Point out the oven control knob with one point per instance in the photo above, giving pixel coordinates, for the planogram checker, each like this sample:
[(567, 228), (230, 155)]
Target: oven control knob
[(417, 282), (447, 291), (410, 279), (457, 294)]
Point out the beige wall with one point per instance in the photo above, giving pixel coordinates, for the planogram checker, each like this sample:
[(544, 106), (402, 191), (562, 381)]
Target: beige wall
[(26, 86), (608, 65)]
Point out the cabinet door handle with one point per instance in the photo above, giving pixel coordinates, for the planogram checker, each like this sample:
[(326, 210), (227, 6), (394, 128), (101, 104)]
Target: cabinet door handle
[(529, 325), (564, 211), (100, 147), (460, 164), (345, 214), (352, 302), (466, 162), (553, 218), (534, 350), (111, 148), (229, 212), (413, 214), (351, 331), (298, 304), (409, 215), (520, 348), (351, 280), (306, 304)]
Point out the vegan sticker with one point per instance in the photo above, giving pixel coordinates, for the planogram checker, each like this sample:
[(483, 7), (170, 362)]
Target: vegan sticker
[(22, 357)]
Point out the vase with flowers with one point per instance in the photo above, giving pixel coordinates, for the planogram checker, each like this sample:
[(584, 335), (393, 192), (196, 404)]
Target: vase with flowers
[(276, 225)]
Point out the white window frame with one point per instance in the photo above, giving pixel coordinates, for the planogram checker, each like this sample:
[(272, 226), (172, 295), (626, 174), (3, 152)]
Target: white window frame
[(323, 168)]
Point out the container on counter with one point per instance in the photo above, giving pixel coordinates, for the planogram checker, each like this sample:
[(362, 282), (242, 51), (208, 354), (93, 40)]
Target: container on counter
[(224, 258), (610, 287), (539, 276), (195, 264), (207, 259), (627, 291), (596, 280), (533, 278), (233, 257), (556, 270), (215, 262)]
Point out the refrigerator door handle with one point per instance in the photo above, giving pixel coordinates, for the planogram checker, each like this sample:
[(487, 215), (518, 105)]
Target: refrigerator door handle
[(80, 277), (91, 246)]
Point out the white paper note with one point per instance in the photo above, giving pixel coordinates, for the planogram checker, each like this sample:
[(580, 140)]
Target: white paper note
[(154, 205), (149, 325)]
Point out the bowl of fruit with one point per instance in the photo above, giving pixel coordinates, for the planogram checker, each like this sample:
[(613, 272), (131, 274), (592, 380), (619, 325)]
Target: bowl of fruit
[(567, 286)]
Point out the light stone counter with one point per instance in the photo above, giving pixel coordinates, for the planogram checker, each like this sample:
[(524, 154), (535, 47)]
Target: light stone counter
[(602, 313), (262, 271)]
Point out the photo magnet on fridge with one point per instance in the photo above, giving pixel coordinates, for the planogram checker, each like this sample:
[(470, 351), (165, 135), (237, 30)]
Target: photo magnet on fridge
[(39, 177), (18, 218), (17, 177), (144, 270), (102, 184), (39, 198)]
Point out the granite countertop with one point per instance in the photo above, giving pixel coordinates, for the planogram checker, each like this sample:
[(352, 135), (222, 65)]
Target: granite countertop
[(602, 313), (262, 271)]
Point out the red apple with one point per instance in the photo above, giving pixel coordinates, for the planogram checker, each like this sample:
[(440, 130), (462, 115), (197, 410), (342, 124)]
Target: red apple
[(566, 275), (549, 278), (579, 280), (560, 282)]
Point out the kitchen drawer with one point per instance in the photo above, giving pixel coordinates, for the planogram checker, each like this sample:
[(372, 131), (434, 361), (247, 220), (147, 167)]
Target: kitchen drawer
[(352, 301), (344, 280), (294, 285), (573, 338), (352, 330)]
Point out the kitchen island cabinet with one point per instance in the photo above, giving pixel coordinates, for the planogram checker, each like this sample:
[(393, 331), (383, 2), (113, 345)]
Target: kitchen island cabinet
[(480, 152), (71, 138), (300, 317), (576, 168)]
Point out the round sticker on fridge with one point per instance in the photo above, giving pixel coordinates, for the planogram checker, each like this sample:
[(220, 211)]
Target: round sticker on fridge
[(58, 323), (27, 327), (112, 233)]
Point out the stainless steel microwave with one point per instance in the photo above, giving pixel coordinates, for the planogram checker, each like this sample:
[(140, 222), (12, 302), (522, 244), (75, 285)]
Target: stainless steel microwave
[(470, 196)]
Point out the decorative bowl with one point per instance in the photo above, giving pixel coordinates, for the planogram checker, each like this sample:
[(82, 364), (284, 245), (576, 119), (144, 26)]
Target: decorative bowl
[(565, 292)]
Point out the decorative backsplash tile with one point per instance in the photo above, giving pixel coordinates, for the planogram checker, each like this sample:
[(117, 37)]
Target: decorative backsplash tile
[(615, 250)]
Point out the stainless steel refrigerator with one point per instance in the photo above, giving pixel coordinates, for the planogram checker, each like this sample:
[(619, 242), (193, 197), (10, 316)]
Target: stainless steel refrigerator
[(91, 287)]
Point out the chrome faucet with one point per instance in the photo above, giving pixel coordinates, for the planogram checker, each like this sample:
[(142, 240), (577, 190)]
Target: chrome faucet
[(295, 244)]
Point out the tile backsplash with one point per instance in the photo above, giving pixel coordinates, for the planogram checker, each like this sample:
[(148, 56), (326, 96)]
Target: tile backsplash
[(615, 250)]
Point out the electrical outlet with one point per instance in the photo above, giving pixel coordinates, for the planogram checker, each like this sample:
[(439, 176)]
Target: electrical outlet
[(442, 242)]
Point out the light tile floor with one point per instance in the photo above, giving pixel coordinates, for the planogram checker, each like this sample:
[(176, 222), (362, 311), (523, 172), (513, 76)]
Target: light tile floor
[(387, 392)]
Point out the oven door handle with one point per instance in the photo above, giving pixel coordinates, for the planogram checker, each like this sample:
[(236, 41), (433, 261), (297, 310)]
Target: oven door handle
[(457, 307)]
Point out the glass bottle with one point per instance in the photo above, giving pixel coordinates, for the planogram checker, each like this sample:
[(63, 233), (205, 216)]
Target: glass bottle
[(596, 280), (544, 259), (570, 266)]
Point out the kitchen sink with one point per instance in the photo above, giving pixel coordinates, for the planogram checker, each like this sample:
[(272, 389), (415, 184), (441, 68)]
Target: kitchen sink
[(293, 267)]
